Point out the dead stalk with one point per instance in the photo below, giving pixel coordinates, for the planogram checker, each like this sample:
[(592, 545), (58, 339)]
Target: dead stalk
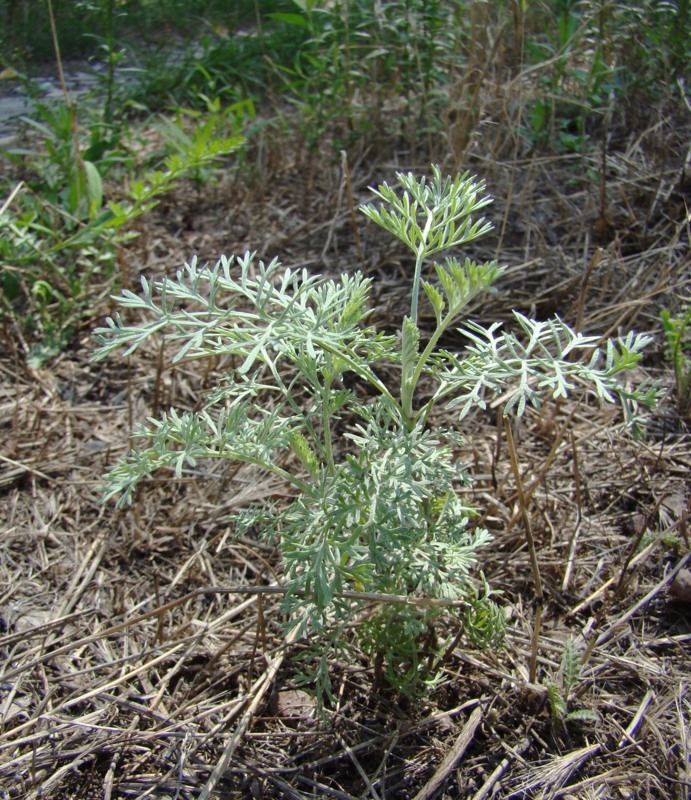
[(579, 517), (539, 597), (351, 206), (580, 310)]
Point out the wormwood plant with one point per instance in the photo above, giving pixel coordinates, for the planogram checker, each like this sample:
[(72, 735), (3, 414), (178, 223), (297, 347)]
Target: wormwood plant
[(375, 521), (560, 690)]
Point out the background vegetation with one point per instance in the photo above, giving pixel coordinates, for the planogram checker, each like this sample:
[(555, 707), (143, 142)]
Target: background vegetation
[(215, 127)]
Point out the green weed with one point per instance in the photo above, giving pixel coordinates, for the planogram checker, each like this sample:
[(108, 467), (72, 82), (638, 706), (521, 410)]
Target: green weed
[(59, 239), (25, 29), (560, 691), (574, 78), (71, 159), (344, 415), (190, 130), (678, 333), (361, 57)]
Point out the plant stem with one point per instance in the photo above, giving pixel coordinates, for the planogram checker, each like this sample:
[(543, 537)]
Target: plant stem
[(416, 284), (539, 597), (326, 424), (408, 392), (70, 104), (304, 487), (56, 46), (420, 255)]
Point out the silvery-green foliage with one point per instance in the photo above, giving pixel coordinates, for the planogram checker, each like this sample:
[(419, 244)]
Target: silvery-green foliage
[(380, 513), (430, 217), (539, 364)]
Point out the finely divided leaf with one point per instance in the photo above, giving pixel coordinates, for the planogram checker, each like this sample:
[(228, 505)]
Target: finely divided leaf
[(436, 299)]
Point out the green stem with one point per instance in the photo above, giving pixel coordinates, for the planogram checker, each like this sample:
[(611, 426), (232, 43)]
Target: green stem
[(416, 284), (326, 424), (420, 255), (408, 391), (303, 486), (299, 411), (360, 369)]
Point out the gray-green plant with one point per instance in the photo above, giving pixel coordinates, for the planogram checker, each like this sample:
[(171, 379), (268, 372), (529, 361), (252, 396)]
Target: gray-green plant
[(560, 691), (347, 416)]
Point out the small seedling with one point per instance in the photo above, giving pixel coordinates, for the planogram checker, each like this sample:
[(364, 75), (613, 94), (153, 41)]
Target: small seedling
[(345, 415), (678, 332), (560, 692)]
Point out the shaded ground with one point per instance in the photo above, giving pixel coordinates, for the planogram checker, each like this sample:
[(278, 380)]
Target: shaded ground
[(137, 661)]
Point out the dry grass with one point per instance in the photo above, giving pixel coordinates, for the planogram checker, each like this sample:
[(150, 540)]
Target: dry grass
[(137, 657)]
